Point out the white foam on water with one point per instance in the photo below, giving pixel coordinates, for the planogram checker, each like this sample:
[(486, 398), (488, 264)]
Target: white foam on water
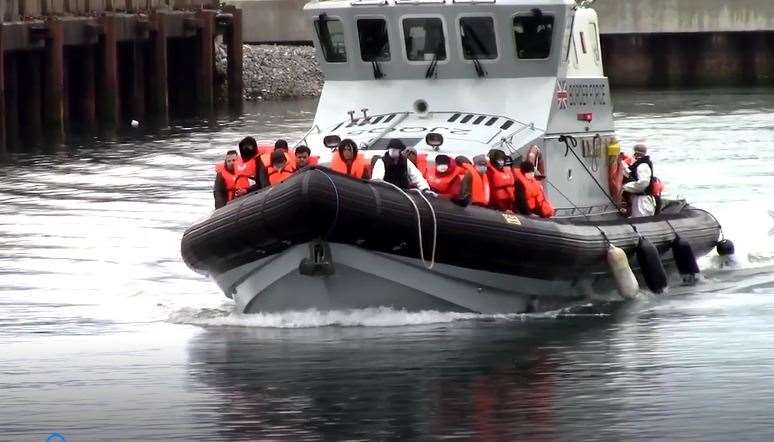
[(368, 317)]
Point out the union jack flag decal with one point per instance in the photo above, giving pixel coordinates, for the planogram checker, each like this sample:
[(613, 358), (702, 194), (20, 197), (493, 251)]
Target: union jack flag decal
[(562, 95)]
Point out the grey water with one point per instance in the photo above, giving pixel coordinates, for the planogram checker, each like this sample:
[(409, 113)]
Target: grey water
[(106, 335)]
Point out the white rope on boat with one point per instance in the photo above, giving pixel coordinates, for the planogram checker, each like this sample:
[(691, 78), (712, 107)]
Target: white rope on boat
[(419, 225)]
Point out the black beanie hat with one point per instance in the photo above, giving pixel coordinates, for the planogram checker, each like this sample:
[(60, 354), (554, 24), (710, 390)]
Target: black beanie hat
[(395, 143)]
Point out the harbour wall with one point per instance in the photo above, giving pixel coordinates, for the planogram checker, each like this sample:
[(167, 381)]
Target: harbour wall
[(653, 43)]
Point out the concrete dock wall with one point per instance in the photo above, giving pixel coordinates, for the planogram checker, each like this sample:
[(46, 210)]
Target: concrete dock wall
[(282, 20), (645, 42), (681, 16)]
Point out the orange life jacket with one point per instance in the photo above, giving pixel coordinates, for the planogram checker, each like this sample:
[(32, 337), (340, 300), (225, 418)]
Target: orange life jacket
[(277, 176), (245, 169), (422, 164), (536, 199), (357, 169), (313, 160), (265, 148), (657, 188), (290, 160), (445, 184), (501, 183), (233, 181), (480, 194)]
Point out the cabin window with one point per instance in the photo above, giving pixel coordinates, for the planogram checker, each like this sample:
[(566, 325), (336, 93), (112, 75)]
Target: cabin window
[(330, 32), (374, 42), (583, 43), (424, 39), (478, 38), (533, 34)]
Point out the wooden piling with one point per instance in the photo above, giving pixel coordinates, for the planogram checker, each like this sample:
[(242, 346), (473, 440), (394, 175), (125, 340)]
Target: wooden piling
[(11, 102), (138, 81), (158, 94), (108, 102), (234, 54), (205, 67), (2, 92), (87, 107), (53, 106), (30, 102)]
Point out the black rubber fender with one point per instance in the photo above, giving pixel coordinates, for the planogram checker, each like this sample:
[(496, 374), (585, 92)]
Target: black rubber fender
[(725, 247), (685, 259), (651, 266)]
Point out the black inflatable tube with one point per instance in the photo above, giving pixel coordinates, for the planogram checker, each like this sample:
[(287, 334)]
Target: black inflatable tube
[(319, 203)]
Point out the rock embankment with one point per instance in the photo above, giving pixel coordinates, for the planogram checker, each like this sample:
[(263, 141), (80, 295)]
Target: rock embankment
[(276, 72)]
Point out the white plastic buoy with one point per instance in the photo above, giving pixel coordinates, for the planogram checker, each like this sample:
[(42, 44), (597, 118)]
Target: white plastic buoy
[(625, 281), (135, 124)]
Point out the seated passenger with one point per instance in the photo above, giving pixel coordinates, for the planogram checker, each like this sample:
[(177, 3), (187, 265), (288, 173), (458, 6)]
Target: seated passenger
[(501, 181), (530, 198), (279, 170), (303, 155), (396, 169), (228, 185), (475, 184), (281, 145), (419, 160), (445, 178), (346, 160), (249, 164)]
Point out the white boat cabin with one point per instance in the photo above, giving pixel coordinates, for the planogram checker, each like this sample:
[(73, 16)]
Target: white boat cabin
[(485, 74)]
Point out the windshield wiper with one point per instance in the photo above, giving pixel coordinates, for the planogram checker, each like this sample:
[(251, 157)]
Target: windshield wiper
[(377, 70), (468, 34), (433, 68)]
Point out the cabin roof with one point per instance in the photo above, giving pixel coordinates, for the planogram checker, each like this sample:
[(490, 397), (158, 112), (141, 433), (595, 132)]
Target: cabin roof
[(336, 4)]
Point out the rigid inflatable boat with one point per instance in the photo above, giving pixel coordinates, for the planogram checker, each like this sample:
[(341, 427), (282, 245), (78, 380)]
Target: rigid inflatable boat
[(482, 74), (328, 241)]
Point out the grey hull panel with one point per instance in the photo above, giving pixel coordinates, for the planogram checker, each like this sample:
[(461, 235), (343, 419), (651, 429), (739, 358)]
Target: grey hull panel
[(364, 279)]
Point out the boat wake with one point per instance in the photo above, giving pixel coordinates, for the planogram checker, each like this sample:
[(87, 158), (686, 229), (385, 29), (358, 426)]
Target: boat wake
[(368, 317)]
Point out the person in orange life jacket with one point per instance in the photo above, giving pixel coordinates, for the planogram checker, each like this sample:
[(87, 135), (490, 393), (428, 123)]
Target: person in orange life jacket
[(445, 179), (460, 161), (419, 160), (475, 184), (396, 169), (302, 156), (225, 180), (530, 197), (283, 146), (346, 160), (249, 164), (501, 181), (639, 183), (279, 170)]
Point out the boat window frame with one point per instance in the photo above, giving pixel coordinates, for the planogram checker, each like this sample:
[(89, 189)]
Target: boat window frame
[(444, 27), (596, 45), (551, 49), (498, 45), (359, 17), (315, 24)]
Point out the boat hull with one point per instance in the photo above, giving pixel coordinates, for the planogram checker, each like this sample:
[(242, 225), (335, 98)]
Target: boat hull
[(364, 279)]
